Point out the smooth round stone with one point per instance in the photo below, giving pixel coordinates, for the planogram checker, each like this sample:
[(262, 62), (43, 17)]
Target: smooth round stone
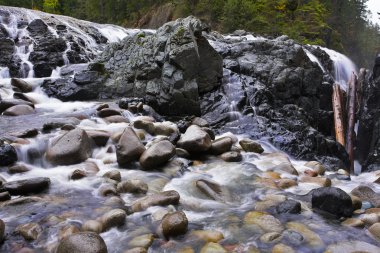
[(232, 156), (286, 183), (212, 247), (92, 226), (264, 221), (113, 218), (316, 166), (142, 241), (85, 242), (66, 231), (208, 235), (174, 224), (353, 222), (312, 238), (356, 202), (114, 201), (282, 248), (114, 175), (19, 110), (132, 186), (107, 190), (29, 231), (251, 146), (370, 219), (270, 237), (375, 230), (289, 206), (321, 181)]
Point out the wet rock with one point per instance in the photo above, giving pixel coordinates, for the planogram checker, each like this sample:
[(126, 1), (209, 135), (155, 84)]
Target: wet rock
[(211, 190), (311, 237), (174, 224), (332, 200), (113, 218), (66, 231), (208, 235), (129, 148), (107, 190), (85, 242), (22, 85), (353, 222), (70, 148), (4, 196), (22, 96), (289, 206), (311, 173), (19, 110), (317, 167), (159, 199), (100, 138), (369, 218), (136, 250), (375, 231), (142, 241), (8, 155), (286, 167), (166, 128), (157, 155), (367, 194), (116, 119), (263, 221), (28, 133), (212, 247), (27, 186), (132, 186), (29, 231), (251, 146), (78, 174), (356, 202), (270, 237), (102, 106), (200, 122), (113, 174), (115, 201), (286, 183), (92, 226), (195, 140), (352, 246), (232, 156), (18, 168), (321, 181), (107, 112), (182, 153), (2, 230), (282, 248), (8, 103), (221, 146), (58, 123)]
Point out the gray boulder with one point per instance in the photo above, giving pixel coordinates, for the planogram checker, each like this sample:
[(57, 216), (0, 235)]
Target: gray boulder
[(195, 140), (129, 148), (27, 186), (85, 242), (70, 148), (157, 155), (169, 68)]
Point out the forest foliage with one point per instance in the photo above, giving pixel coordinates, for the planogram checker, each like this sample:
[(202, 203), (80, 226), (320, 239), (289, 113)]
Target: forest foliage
[(342, 25)]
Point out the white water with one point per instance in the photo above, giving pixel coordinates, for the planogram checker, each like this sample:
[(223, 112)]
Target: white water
[(313, 58), (343, 67)]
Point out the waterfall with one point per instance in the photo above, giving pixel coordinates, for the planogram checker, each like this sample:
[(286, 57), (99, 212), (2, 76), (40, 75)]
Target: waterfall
[(343, 67), (313, 58)]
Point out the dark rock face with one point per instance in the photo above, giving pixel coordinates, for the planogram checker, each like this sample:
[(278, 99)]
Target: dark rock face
[(368, 139), (169, 69), (278, 90), (289, 206), (8, 155), (86, 85), (332, 200), (85, 242)]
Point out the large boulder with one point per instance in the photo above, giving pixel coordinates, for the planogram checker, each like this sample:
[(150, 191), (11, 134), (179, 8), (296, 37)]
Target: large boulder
[(85, 242), (129, 148), (195, 140), (169, 68), (70, 148), (8, 155), (332, 200), (157, 155), (27, 186)]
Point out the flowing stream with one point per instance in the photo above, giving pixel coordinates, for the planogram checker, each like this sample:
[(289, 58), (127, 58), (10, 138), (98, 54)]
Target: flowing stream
[(246, 186)]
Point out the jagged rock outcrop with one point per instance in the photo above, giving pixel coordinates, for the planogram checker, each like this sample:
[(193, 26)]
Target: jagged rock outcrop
[(278, 89), (368, 139), (169, 68)]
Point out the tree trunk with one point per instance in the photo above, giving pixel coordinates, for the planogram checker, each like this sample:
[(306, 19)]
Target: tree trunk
[(351, 136), (338, 114)]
